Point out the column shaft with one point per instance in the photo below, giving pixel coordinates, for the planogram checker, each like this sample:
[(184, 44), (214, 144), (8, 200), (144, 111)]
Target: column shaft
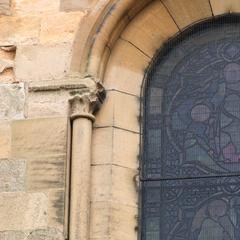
[(80, 179)]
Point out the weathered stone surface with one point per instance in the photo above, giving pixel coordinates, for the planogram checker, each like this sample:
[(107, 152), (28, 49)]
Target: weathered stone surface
[(124, 222), (12, 175), (46, 234), (7, 56), (113, 221), (52, 62), (116, 146), (47, 104), (12, 101), (71, 5), (5, 7), (56, 206), (131, 63), (5, 139), (225, 6), (114, 183), (19, 30), (13, 235), (35, 7), (43, 143), (150, 29), (186, 12), (112, 113), (60, 28), (23, 211)]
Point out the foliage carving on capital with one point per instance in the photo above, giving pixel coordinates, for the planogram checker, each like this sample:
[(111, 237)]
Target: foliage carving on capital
[(85, 102)]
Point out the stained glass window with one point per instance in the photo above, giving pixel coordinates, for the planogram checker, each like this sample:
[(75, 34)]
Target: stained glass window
[(191, 148)]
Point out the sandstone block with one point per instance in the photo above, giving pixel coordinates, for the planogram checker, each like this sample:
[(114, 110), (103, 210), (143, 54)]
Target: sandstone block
[(35, 7), (13, 235), (117, 219), (23, 211), (56, 205), (116, 146), (43, 143), (12, 175), (35, 63), (12, 100), (124, 222), (46, 234), (7, 57), (114, 183), (101, 183), (125, 69), (73, 5), (112, 113), (186, 12), (225, 6), (19, 30), (47, 104), (150, 29), (60, 28), (5, 139)]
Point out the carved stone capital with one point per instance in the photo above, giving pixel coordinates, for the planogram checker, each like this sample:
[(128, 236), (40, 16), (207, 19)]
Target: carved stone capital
[(84, 104)]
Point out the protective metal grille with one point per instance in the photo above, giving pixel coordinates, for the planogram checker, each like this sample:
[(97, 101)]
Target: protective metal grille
[(191, 157)]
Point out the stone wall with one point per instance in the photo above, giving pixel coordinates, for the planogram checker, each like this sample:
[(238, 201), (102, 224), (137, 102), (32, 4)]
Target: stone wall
[(41, 43), (36, 41)]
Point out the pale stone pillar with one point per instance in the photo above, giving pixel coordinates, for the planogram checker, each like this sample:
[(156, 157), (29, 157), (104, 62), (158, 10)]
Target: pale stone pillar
[(82, 107)]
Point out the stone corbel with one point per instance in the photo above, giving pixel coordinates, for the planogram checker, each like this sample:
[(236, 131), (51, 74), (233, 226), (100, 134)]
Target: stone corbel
[(83, 104)]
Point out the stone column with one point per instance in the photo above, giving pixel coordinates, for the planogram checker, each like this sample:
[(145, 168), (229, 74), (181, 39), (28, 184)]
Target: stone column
[(82, 107)]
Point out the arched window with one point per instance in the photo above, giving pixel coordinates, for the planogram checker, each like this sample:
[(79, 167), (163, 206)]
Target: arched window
[(191, 136)]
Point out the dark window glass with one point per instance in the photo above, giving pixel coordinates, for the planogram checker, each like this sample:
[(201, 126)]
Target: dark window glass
[(191, 158)]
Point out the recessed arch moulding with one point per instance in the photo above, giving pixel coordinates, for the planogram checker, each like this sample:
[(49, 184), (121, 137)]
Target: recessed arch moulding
[(110, 20), (115, 45)]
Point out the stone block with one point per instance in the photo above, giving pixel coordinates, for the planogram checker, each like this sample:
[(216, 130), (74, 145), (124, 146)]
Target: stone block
[(100, 220), (12, 175), (113, 221), (116, 146), (124, 188), (13, 235), (125, 69), (126, 148), (5, 139), (23, 211), (35, 7), (46, 234), (47, 104), (225, 6), (7, 57), (35, 63), (5, 7), (73, 5), (19, 30), (124, 222), (115, 184), (102, 145), (186, 12), (150, 29), (60, 28), (101, 183), (12, 101), (119, 110), (43, 143), (56, 206)]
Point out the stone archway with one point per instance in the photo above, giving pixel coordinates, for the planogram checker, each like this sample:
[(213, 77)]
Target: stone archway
[(121, 41)]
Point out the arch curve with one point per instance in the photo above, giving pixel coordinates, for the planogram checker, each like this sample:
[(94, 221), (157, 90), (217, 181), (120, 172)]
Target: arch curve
[(105, 24)]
